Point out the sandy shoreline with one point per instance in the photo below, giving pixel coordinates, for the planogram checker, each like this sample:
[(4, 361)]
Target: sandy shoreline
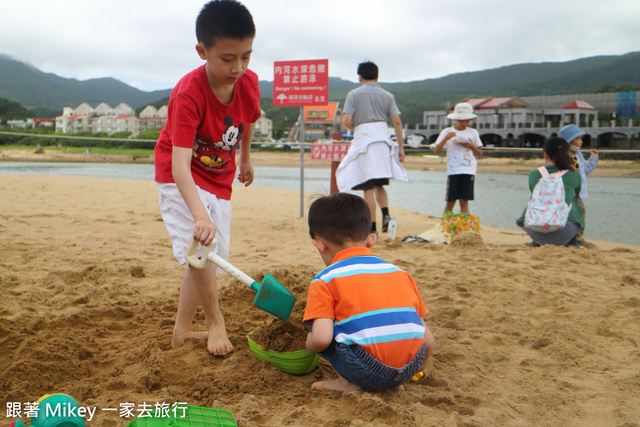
[(524, 336), (610, 168)]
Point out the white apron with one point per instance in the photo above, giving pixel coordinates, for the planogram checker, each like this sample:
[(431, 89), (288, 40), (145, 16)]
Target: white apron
[(372, 155)]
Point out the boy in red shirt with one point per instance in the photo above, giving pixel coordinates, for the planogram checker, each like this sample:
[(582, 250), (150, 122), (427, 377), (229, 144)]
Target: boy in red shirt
[(365, 313), (212, 111)]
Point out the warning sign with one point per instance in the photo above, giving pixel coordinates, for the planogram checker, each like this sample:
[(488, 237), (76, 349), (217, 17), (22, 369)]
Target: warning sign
[(300, 83), (334, 152)]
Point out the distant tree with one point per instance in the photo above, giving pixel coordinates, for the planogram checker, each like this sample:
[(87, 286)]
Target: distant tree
[(619, 88), (146, 145), (149, 134), (282, 118), (121, 135), (12, 110)]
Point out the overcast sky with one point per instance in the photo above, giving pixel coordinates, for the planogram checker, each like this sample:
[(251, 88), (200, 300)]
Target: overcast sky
[(150, 44)]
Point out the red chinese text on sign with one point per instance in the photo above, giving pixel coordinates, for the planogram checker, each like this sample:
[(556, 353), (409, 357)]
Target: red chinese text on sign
[(334, 152), (300, 83)]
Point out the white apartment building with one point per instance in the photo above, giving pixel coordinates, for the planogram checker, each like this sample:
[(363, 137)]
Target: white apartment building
[(104, 118), (263, 130)]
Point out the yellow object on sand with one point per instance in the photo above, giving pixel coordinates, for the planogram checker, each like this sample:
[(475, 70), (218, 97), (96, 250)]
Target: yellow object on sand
[(417, 376)]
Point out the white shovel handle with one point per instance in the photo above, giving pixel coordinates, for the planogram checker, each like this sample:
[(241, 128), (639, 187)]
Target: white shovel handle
[(209, 254)]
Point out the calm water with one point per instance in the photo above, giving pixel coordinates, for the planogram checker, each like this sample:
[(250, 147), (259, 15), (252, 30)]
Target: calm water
[(612, 206)]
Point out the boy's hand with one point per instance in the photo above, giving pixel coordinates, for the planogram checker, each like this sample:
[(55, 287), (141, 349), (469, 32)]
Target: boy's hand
[(204, 231), (449, 136), (246, 173), (593, 152)]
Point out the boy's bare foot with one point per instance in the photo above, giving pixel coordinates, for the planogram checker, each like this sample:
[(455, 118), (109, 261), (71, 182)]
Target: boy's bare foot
[(179, 337), (338, 385), (218, 344)]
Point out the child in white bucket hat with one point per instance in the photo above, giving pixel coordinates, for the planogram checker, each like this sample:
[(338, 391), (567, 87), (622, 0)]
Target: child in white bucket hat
[(462, 145), (573, 135)]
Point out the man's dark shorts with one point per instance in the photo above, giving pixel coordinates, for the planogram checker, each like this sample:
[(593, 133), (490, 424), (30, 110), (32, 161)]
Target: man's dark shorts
[(459, 187), (371, 184)]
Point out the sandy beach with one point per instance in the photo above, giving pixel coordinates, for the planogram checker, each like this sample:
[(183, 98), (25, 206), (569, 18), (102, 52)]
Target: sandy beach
[(524, 336)]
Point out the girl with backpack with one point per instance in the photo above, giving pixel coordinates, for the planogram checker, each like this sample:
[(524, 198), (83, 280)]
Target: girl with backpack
[(548, 219)]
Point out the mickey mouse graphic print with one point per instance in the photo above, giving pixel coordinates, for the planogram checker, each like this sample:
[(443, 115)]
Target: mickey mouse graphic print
[(198, 120)]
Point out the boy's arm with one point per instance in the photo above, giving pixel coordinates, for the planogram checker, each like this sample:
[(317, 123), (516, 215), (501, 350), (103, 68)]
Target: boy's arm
[(476, 150), (321, 335), (245, 175), (204, 231), (475, 145), (592, 163), (397, 126), (439, 144)]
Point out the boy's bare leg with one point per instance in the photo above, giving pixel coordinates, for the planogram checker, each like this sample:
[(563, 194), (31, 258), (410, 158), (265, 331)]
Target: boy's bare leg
[(218, 343), (339, 384), (464, 205), (370, 198), (200, 287), (188, 302), (381, 196), (449, 206)]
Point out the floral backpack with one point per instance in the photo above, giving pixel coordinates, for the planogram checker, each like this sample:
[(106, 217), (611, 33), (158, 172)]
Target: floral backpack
[(547, 210)]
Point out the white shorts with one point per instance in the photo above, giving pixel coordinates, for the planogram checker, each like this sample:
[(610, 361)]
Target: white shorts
[(179, 221)]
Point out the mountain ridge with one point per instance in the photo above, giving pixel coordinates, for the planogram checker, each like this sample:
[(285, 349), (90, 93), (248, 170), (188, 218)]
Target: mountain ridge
[(39, 91)]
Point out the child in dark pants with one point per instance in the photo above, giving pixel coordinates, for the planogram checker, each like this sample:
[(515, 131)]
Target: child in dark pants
[(364, 313), (462, 144)]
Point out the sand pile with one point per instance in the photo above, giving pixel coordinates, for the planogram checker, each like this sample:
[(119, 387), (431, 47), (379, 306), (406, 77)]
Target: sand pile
[(524, 336)]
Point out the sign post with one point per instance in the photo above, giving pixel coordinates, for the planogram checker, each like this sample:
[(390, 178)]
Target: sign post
[(335, 152), (300, 83)]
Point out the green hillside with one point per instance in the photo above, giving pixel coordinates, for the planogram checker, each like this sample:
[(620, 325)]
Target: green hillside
[(32, 88), (45, 92), (586, 75)]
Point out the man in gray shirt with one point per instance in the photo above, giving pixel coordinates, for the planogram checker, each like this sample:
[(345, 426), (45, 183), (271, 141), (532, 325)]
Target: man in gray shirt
[(373, 157)]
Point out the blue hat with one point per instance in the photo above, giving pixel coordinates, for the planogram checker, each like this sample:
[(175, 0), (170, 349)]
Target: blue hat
[(570, 132)]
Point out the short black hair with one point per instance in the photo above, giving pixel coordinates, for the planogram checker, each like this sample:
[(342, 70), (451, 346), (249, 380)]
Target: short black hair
[(368, 70), (558, 151), (339, 218), (224, 19)]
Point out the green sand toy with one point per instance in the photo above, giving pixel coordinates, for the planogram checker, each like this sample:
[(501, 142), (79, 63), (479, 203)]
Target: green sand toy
[(271, 296)]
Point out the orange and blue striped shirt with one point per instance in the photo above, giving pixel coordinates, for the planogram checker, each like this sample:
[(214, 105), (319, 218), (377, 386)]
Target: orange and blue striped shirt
[(373, 303)]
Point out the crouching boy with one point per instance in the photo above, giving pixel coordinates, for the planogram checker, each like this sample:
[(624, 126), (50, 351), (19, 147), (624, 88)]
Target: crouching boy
[(364, 313)]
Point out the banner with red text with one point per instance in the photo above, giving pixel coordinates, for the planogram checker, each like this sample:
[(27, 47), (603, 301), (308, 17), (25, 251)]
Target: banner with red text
[(300, 83)]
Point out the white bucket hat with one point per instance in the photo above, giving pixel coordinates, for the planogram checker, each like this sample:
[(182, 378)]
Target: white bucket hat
[(462, 111)]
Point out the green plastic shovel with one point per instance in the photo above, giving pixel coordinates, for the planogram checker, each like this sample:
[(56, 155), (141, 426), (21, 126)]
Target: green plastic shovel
[(271, 296)]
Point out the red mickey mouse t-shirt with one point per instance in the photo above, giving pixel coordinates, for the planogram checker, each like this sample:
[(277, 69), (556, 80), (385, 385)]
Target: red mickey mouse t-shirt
[(198, 120)]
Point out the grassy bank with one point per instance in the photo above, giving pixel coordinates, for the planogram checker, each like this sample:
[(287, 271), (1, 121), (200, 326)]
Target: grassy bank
[(114, 151)]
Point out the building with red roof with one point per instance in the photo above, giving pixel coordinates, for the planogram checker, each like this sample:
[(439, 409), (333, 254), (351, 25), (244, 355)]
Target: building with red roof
[(517, 121), (320, 122)]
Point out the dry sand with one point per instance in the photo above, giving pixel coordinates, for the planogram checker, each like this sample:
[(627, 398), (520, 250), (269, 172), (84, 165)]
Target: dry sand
[(524, 336)]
